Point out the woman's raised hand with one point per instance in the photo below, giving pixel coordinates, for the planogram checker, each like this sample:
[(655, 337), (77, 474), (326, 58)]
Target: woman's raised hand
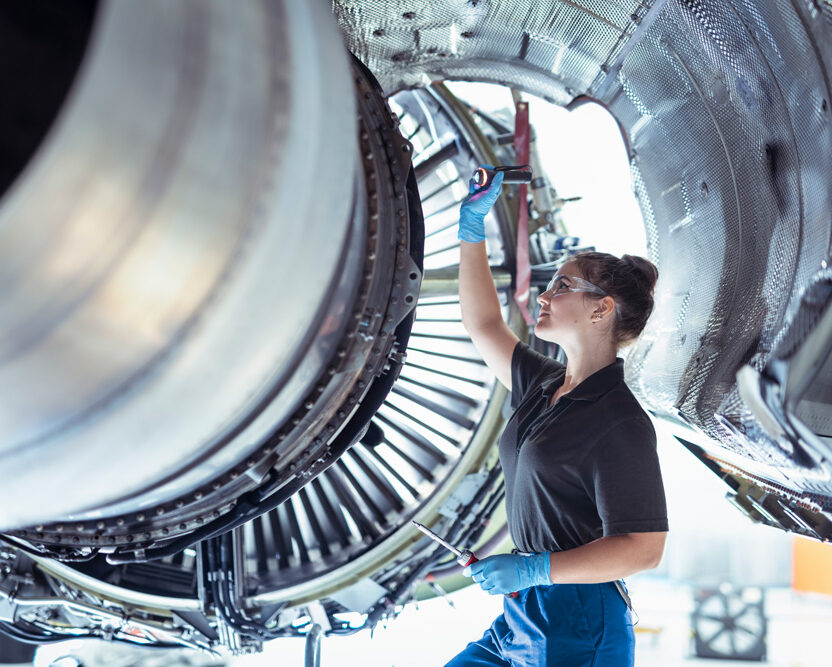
[(474, 207)]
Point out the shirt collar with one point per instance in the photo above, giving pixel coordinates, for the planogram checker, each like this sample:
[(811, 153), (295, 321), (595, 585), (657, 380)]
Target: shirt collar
[(591, 389)]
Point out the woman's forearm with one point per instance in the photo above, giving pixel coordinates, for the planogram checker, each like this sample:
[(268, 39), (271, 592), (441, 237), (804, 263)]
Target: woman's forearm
[(607, 558), (477, 294)]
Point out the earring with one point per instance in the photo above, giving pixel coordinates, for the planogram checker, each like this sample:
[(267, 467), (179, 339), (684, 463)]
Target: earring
[(596, 318)]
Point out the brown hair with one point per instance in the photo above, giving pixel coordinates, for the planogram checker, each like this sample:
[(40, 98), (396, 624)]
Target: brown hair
[(629, 280)]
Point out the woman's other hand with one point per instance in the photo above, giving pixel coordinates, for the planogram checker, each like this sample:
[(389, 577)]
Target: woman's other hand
[(507, 573)]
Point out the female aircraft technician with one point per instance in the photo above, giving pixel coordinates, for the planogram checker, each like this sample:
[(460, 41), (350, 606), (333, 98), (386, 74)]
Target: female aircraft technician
[(584, 495)]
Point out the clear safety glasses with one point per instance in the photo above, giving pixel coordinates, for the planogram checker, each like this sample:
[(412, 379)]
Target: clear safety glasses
[(560, 284)]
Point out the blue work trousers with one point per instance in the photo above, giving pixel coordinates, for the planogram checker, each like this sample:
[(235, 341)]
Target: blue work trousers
[(563, 624)]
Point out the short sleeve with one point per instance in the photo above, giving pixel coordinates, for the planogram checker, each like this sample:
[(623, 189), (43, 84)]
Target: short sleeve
[(626, 481), (527, 369)]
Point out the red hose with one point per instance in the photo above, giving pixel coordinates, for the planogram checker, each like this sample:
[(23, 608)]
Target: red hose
[(523, 269)]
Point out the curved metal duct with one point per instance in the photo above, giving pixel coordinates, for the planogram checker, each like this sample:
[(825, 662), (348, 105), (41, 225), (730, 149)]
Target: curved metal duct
[(729, 153), (214, 264)]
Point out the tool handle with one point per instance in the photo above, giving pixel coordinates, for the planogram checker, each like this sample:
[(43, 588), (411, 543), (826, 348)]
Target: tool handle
[(467, 558)]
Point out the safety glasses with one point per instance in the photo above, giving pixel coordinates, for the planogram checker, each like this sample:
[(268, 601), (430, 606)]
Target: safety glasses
[(560, 284)]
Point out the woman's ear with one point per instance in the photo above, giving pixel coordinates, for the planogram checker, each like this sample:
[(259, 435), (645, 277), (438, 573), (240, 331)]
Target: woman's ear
[(605, 306)]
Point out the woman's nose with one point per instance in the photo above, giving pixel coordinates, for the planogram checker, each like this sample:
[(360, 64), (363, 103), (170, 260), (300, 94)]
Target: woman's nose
[(543, 298)]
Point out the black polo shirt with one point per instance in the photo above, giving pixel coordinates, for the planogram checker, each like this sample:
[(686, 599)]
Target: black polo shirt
[(583, 468)]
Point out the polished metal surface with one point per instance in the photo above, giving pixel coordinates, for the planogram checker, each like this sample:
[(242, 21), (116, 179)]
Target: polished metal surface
[(168, 252)]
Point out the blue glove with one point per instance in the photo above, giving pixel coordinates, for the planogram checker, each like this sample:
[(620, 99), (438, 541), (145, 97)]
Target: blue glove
[(474, 207), (507, 573)]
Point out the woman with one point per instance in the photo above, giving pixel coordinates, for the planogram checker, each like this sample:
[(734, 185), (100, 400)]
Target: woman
[(584, 495)]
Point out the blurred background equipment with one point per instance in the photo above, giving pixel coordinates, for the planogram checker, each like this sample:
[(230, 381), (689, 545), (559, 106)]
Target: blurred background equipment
[(729, 623)]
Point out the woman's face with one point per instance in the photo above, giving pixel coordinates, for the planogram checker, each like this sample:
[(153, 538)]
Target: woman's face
[(564, 314)]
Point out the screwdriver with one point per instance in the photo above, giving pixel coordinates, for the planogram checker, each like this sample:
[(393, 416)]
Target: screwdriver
[(464, 557)]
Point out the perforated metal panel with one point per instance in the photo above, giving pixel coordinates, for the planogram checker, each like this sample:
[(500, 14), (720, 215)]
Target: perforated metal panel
[(556, 49), (731, 147), (729, 152)]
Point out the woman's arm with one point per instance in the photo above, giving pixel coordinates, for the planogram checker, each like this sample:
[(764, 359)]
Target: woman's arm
[(607, 558), (481, 314)]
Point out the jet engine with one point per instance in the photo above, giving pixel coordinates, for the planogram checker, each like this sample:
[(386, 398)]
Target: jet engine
[(232, 362)]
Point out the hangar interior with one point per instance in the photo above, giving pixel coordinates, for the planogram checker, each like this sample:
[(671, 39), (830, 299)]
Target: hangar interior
[(232, 358)]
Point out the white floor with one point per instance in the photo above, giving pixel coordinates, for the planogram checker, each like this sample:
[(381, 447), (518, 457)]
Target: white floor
[(799, 630), (798, 633)]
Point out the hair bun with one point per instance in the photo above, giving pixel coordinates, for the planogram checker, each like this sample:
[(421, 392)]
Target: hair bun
[(629, 280), (644, 267)]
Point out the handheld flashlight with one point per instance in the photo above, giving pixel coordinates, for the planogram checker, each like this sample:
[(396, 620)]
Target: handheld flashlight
[(520, 173)]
